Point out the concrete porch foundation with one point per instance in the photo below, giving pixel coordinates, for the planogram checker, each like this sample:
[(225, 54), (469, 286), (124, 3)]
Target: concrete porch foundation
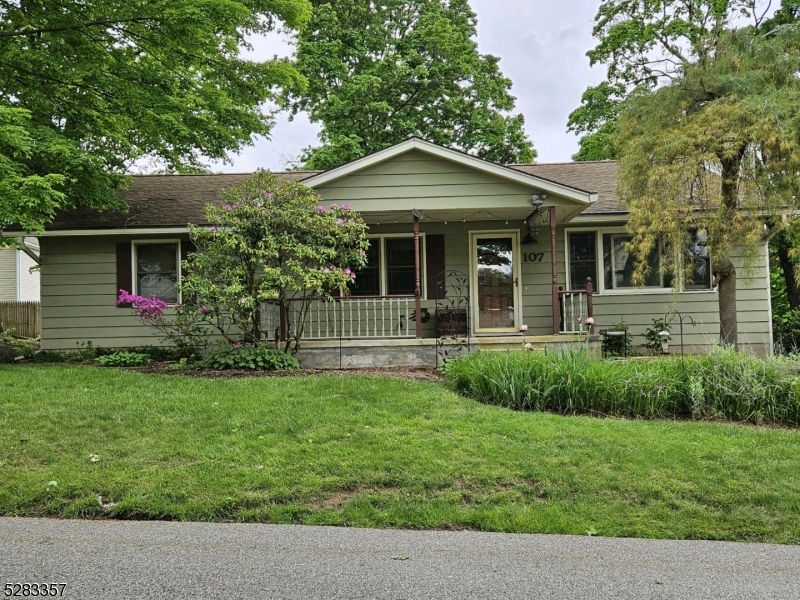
[(351, 354)]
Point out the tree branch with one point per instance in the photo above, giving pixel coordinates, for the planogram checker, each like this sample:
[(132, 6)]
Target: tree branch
[(99, 23)]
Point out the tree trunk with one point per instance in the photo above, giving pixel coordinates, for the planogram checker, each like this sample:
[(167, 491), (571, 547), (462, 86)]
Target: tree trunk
[(723, 269), (725, 278), (782, 248)]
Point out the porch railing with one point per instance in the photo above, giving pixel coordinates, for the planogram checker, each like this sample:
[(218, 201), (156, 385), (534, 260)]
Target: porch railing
[(353, 317), (575, 307)]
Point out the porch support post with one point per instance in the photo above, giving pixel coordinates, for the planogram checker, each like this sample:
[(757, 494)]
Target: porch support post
[(417, 280), (554, 272)]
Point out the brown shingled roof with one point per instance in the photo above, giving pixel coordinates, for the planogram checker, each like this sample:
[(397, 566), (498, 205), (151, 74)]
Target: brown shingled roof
[(163, 201), (175, 200), (594, 176)]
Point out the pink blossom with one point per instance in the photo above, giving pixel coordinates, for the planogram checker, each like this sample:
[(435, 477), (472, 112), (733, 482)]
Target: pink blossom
[(213, 229), (579, 319), (590, 321), (348, 271), (334, 207), (339, 222), (237, 345), (352, 275), (242, 300), (345, 206), (237, 205), (528, 346), (203, 309), (181, 310), (326, 270), (321, 209), (149, 310), (227, 207)]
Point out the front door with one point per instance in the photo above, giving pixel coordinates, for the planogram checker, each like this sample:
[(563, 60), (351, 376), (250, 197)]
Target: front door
[(495, 281)]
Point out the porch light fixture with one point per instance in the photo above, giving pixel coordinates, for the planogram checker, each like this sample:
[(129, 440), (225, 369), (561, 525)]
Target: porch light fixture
[(417, 213), (538, 199)]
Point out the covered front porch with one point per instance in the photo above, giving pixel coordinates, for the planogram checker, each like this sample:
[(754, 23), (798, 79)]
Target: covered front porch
[(462, 252)]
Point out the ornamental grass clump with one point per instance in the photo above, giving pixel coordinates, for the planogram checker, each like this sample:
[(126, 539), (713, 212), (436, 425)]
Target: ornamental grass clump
[(720, 384)]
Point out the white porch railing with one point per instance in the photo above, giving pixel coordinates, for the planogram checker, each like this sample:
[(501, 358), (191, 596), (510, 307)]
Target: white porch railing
[(574, 306), (354, 317)]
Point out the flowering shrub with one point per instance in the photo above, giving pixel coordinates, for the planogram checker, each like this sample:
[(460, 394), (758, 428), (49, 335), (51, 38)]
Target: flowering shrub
[(186, 330), (273, 241)]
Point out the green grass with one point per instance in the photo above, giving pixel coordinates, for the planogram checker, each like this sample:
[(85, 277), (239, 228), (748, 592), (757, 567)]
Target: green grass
[(374, 452)]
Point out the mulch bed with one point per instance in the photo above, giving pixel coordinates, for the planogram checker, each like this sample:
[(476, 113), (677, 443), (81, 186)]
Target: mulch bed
[(412, 373)]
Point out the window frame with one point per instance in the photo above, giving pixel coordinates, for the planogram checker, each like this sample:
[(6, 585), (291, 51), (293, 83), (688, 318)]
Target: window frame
[(135, 264), (383, 273), (599, 286)]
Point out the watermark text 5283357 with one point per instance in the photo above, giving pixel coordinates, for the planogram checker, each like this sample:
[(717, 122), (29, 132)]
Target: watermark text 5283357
[(34, 590)]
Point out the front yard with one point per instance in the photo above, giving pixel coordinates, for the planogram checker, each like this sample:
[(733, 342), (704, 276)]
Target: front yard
[(377, 452)]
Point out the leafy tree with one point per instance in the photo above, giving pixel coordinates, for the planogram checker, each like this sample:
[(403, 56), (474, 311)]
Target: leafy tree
[(87, 88), (270, 242), (379, 73), (715, 147), (596, 119)]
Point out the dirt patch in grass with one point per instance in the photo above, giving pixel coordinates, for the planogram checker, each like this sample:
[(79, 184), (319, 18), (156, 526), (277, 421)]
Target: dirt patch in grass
[(412, 373)]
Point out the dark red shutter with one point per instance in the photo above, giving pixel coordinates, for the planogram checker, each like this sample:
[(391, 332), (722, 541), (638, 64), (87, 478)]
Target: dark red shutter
[(124, 274), (434, 263)]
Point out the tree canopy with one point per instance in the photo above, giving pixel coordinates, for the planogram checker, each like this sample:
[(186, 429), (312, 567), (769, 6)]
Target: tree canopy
[(379, 73), (715, 146), (88, 88)]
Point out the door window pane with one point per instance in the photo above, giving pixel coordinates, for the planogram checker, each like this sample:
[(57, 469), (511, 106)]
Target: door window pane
[(495, 284), (157, 271), (582, 259)]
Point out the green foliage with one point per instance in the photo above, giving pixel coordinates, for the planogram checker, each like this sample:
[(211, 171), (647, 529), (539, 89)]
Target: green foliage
[(652, 341), (87, 88), (720, 384), (249, 358), (707, 134), (380, 73), (123, 358), (618, 346), (596, 119), (270, 242)]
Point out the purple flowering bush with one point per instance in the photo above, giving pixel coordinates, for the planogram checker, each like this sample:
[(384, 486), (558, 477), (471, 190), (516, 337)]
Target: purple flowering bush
[(186, 330), (270, 241)]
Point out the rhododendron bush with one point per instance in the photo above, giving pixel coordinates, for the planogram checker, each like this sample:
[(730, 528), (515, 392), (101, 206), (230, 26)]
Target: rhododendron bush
[(270, 240)]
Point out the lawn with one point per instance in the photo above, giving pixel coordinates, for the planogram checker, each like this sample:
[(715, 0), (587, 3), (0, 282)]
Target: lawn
[(377, 452)]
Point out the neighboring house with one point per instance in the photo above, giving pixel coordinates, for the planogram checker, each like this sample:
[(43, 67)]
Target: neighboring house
[(18, 282), (500, 247)]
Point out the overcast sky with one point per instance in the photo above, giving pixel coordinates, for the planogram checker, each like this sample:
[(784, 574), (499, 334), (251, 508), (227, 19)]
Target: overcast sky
[(542, 45)]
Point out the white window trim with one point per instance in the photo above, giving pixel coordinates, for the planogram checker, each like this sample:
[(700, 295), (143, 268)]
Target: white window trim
[(384, 274), (135, 266), (599, 286)]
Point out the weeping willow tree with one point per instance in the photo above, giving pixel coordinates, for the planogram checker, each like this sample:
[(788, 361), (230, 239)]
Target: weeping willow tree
[(711, 155)]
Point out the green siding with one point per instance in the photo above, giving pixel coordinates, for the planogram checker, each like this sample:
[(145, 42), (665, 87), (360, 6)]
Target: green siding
[(79, 294)]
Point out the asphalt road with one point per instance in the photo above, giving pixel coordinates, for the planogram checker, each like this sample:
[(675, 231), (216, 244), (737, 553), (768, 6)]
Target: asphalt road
[(114, 559)]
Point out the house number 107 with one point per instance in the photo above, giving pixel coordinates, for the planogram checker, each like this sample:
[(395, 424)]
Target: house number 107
[(532, 257)]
